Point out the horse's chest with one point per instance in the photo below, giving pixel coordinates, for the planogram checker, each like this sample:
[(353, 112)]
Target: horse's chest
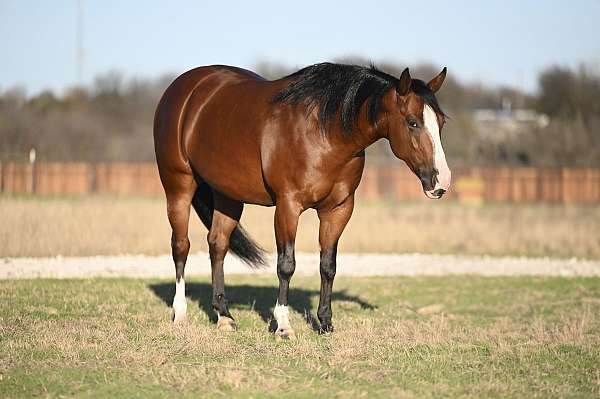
[(333, 186)]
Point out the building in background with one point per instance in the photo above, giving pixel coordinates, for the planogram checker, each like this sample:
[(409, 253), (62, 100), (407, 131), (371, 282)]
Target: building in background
[(506, 123)]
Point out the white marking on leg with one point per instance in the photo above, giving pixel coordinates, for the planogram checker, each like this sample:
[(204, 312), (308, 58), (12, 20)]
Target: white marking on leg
[(179, 302), (282, 315), (439, 158)]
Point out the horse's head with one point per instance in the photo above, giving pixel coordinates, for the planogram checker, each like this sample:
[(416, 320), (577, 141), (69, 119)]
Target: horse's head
[(415, 121)]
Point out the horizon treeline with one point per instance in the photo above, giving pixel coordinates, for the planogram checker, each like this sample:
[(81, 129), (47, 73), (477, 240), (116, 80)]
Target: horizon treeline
[(111, 120)]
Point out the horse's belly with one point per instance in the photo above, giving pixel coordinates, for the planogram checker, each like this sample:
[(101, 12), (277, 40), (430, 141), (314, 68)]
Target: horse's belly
[(235, 175)]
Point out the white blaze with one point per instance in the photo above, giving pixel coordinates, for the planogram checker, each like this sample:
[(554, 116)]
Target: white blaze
[(439, 159)]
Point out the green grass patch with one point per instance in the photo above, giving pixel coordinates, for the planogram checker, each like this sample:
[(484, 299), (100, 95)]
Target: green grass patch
[(454, 336)]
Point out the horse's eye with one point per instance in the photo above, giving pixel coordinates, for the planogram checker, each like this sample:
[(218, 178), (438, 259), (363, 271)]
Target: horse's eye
[(413, 124)]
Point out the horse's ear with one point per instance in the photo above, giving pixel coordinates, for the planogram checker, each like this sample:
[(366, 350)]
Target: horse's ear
[(404, 83), (435, 83)]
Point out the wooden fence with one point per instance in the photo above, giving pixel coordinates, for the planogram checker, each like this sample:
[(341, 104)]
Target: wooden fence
[(498, 184)]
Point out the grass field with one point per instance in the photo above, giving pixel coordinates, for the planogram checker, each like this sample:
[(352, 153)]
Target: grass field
[(395, 337), (112, 225)]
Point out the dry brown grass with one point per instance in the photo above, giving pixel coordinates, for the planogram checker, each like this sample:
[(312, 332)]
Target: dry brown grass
[(111, 225)]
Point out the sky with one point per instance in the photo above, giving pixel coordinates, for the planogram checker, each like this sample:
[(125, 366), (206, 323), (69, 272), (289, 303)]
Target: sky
[(493, 42)]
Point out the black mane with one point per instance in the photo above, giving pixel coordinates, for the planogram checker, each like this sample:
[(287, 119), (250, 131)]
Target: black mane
[(345, 88)]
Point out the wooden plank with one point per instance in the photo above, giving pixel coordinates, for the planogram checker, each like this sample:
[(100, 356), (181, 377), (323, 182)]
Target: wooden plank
[(493, 184)]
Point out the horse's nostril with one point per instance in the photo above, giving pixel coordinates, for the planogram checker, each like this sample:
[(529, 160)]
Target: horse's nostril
[(439, 192)]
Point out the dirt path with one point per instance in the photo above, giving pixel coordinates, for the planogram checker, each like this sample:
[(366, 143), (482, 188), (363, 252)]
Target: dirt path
[(348, 265)]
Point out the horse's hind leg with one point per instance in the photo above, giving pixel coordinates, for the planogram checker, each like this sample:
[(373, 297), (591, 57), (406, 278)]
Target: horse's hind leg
[(226, 216), (179, 190)]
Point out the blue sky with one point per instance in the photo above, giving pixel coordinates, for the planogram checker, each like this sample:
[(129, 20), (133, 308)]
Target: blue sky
[(495, 42)]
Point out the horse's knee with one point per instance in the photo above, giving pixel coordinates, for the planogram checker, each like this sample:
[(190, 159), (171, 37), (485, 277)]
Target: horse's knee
[(180, 247), (286, 263), (286, 268)]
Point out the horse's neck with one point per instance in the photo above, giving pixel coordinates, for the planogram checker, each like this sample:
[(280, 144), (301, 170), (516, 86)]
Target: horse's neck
[(364, 137), (347, 146)]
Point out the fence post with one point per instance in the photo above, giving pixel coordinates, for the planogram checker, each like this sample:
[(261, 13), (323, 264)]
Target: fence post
[(93, 178), (32, 177)]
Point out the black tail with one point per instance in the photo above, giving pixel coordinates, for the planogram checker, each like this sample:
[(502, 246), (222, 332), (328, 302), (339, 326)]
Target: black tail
[(239, 243)]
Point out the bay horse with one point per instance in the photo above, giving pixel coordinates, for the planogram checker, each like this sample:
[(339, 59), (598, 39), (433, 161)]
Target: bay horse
[(225, 137)]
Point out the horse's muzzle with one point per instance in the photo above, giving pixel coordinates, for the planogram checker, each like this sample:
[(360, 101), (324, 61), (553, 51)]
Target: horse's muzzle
[(435, 194), (432, 187)]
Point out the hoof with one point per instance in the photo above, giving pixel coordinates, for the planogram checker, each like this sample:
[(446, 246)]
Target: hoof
[(326, 328), (285, 334), (226, 324)]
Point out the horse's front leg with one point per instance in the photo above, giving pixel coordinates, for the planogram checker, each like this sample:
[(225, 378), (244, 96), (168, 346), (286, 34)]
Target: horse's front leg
[(333, 221), (286, 224)]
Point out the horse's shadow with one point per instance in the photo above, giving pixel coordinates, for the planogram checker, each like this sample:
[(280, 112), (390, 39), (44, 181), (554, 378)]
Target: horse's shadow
[(258, 298)]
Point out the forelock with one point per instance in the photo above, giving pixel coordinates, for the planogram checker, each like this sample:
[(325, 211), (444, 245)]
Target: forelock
[(420, 88)]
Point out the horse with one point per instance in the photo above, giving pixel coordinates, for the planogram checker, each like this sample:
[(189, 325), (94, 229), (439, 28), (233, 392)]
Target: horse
[(225, 137)]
